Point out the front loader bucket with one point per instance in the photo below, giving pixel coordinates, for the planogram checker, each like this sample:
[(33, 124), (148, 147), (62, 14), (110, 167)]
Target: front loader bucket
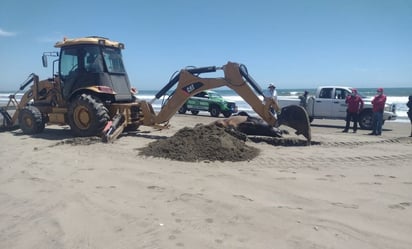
[(7, 121), (297, 118)]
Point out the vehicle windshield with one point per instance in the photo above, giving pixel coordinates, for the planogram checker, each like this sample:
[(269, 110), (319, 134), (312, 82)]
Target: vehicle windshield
[(113, 59), (363, 95), (80, 59), (214, 95)]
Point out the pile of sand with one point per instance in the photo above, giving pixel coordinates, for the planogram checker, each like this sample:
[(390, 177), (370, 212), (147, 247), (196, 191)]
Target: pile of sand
[(201, 143)]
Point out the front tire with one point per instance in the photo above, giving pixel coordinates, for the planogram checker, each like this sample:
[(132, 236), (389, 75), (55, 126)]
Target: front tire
[(365, 120), (31, 120), (227, 114), (87, 116)]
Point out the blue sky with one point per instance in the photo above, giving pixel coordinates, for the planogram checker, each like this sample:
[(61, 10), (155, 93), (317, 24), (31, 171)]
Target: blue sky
[(294, 44)]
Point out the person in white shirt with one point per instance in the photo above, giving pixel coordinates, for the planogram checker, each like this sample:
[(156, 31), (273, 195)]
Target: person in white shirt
[(273, 93)]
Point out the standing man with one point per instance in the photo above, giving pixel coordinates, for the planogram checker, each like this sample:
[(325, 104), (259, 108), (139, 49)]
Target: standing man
[(378, 103), (273, 94), (304, 99), (355, 106)]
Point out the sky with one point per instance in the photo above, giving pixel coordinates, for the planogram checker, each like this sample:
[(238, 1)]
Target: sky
[(292, 44)]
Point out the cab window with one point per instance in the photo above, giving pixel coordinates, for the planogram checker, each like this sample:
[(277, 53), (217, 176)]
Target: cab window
[(325, 93), (113, 59), (80, 59), (69, 62), (341, 93)]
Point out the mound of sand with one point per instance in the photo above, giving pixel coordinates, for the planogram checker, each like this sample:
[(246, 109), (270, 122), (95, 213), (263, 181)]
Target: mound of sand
[(201, 143)]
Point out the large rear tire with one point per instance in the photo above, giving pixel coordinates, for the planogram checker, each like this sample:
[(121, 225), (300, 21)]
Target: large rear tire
[(87, 116), (31, 120)]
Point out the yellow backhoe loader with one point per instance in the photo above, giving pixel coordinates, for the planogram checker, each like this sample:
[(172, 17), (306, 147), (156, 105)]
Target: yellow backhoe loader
[(91, 93)]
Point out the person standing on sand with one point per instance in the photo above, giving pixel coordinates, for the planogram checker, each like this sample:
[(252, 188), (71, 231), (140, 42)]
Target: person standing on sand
[(272, 94), (355, 106), (304, 99), (409, 104), (378, 103)]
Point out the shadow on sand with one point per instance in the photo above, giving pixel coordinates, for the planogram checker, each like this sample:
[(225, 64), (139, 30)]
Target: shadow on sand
[(341, 127)]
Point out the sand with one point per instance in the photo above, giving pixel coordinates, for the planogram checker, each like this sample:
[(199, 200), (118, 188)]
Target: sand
[(350, 191)]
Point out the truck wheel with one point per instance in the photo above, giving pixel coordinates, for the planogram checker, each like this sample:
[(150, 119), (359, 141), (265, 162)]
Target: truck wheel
[(365, 120), (182, 109), (227, 114), (87, 116), (31, 120), (194, 112), (214, 111)]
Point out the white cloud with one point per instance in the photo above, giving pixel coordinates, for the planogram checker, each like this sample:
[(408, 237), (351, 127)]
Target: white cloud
[(57, 36), (5, 33)]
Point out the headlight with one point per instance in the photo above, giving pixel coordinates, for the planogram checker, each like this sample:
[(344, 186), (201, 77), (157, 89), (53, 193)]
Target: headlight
[(390, 108)]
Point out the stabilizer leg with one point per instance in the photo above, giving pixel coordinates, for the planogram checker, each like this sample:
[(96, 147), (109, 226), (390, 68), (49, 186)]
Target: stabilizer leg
[(7, 121), (114, 128)]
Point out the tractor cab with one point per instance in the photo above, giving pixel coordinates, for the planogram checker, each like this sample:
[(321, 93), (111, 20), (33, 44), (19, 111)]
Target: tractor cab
[(93, 64)]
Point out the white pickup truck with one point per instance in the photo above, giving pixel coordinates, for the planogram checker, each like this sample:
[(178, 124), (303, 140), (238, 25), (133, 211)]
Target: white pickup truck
[(329, 103)]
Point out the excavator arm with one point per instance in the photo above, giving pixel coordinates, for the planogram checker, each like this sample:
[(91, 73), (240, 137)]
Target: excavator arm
[(238, 79)]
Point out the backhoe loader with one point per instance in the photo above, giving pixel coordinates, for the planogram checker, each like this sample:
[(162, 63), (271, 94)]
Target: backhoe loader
[(91, 93)]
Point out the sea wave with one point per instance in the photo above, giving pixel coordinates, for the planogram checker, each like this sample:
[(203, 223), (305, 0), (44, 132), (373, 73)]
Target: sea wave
[(400, 101)]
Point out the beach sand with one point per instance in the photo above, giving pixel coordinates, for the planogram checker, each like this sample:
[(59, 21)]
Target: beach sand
[(350, 191)]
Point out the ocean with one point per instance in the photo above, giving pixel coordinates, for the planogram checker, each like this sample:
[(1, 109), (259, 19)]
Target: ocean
[(398, 96)]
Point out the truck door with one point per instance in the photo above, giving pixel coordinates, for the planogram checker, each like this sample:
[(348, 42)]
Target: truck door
[(199, 101), (338, 104), (323, 104)]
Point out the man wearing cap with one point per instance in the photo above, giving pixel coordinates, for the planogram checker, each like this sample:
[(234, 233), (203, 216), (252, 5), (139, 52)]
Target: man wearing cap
[(272, 94), (304, 99), (355, 106), (378, 106)]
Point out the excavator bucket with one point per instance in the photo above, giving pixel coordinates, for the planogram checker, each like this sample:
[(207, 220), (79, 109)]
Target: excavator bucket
[(6, 119), (297, 118)]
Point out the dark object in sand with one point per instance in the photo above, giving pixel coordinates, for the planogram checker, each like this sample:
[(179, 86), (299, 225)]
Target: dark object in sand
[(249, 125)]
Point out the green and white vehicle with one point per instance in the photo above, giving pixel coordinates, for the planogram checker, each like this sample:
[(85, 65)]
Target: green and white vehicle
[(209, 101)]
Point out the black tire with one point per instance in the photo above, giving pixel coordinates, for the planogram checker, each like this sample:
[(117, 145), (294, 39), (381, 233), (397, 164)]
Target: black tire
[(31, 120), (182, 109), (131, 127), (365, 120), (87, 116), (227, 114), (214, 111), (194, 112)]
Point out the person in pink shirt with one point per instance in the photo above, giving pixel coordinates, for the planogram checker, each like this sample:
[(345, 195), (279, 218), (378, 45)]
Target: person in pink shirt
[(355, 106), (378, 106), (409, 105)]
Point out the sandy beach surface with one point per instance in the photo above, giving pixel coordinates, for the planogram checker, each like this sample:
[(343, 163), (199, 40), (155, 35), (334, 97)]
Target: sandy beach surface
[(349, 191)]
